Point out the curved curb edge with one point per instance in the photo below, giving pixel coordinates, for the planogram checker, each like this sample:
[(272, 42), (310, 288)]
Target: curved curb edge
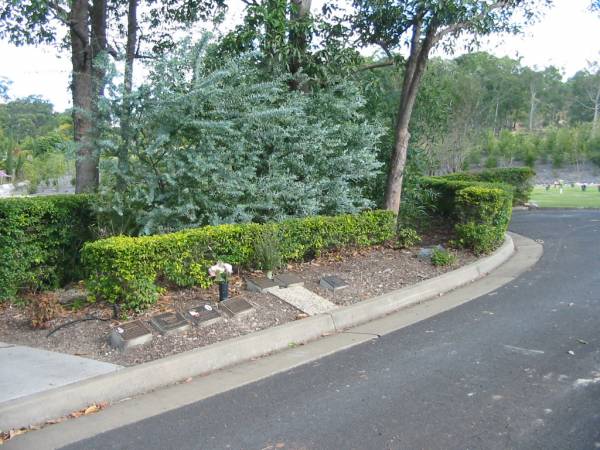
[(136, 380)]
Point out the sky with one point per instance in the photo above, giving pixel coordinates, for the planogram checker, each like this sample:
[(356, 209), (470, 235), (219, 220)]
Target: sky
[(568, 36)]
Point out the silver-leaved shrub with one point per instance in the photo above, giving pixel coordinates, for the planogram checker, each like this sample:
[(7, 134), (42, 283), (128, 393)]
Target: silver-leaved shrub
[(228, 145)]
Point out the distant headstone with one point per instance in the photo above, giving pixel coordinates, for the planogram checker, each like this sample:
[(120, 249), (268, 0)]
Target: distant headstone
[(170, 323), (236, 307), (255, 284), (129, 335), (333, 283), (286, 280), (204, 314)]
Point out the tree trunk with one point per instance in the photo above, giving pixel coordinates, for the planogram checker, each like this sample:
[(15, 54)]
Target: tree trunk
[(81, 88), (298, 37), (596, 113), (496, 130), (415, 67), (127, 89), (532, 107)]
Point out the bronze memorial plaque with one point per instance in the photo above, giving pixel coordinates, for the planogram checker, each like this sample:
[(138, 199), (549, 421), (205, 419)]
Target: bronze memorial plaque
[(169, 323)]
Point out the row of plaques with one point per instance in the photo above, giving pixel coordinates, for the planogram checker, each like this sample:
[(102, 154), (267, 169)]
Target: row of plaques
[(137, 332)]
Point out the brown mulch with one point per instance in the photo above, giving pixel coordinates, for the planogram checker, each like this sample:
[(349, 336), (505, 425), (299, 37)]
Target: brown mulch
[(369, 272)]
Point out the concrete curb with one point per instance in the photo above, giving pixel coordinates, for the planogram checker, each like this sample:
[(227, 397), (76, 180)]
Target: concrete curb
[(143, 378)]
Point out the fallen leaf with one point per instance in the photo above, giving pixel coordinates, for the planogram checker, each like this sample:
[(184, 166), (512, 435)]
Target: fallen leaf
[(581, 341), (91, 409), (14, 433), (76, 414), (571, 352), (280, 445), (53, 421)]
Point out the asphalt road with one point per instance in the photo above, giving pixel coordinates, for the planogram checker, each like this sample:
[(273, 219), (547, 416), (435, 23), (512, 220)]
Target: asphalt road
[(495, 373)]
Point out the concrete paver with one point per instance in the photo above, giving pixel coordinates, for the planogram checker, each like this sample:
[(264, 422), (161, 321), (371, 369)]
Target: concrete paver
[(25, 370)]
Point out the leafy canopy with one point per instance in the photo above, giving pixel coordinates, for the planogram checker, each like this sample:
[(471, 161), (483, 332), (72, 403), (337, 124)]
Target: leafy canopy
[(213, 146)]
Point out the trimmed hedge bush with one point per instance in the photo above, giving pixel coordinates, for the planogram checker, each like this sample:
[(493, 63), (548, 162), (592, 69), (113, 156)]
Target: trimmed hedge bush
[(520, 178), (480, 211), (483, 214), (128, 270), (40, 241)]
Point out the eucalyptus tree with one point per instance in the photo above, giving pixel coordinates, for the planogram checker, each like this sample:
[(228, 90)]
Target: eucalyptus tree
[(91, 30), (421, 25), (585, 93)]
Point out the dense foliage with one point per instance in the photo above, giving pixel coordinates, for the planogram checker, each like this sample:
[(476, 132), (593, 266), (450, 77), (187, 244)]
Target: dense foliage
[(225, 145), (480, 212), (35, 142), (40, 240), (520, 178), (126, 270)]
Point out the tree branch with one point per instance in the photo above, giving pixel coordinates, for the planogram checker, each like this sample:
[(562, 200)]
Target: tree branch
[(463, 25), (377, 65)]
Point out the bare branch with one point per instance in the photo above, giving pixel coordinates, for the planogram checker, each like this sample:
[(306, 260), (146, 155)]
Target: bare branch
[(387, 63)]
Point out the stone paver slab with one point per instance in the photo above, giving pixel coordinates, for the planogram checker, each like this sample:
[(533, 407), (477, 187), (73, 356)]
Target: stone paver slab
[(303, 299), (25, 370)]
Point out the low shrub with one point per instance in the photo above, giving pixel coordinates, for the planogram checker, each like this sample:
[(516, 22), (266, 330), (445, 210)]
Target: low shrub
[(128, 270), (407, 237), (267, 256), (520, 178), (42, 308), (480, 212), (40, 241), (484, 214), (442, 257)]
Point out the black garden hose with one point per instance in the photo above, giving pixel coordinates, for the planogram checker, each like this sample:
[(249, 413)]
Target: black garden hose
[(64, 325)]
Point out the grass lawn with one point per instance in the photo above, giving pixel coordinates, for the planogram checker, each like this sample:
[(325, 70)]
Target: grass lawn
[(570, 198)]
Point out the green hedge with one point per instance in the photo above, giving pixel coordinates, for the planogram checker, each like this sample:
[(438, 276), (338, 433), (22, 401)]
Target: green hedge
[(128, 270), (480, 212), (40, 241), (520, 178)]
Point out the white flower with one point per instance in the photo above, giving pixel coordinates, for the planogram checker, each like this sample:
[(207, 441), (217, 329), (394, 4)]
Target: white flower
[(220, 270)]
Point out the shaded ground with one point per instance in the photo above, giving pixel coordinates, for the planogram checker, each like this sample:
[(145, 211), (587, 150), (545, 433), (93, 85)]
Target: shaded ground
[(369, 272)]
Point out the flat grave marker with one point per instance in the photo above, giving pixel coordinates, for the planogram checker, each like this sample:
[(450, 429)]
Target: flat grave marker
[(130, 334), (236, 306), (204, 315), (286, 280), (170, 323), (333, 283), (256, 284)]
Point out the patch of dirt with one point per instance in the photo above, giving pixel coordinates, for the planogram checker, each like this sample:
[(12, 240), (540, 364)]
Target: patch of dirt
[(369, 272)]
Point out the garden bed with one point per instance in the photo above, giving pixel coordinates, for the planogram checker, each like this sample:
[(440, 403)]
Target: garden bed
[(369, 272)]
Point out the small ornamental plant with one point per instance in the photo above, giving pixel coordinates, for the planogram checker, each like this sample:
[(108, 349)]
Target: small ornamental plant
[(220, 272)]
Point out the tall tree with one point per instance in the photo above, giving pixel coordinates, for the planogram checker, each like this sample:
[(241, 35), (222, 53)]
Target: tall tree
[(585, 91), (422, 25), (85, 24)]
